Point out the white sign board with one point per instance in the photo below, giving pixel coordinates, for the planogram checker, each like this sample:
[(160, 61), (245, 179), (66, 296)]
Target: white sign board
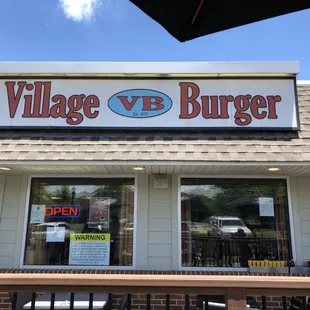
[(89, 249), (37, 214), (260, 104), (266, 206)]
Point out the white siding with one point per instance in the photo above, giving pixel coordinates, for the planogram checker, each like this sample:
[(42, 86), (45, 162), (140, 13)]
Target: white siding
[(176, 242), (300, 189), (159, 250), (153, 223), (141, 235), (12, 192), (159, 237), (159, 263), (157, 243), (160, 226), (13, 195), (160, 212)]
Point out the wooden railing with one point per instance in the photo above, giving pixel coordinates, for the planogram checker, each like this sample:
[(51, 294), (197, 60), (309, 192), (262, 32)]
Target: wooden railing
[(234, 287)]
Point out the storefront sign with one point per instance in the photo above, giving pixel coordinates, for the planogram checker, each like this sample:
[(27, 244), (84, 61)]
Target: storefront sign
[(183, 104), (62, 211), (89, 249), (99, 212)]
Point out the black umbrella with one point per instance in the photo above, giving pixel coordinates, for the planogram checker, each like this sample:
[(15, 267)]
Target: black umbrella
[(189, 19)]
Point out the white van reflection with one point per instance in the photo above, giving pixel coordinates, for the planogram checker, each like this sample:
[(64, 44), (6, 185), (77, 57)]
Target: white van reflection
[(228, 225), (40, 231)]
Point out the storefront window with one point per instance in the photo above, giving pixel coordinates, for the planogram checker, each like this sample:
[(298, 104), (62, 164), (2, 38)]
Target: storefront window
[(233, 222), (80, 222)]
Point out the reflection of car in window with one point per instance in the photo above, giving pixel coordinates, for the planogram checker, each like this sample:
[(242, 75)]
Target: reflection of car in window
[(232, 223), (128, 228), (39, 231), (196, 229), (228, 225)]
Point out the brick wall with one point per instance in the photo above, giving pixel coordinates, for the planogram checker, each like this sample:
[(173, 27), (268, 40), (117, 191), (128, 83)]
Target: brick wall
[(5, 302), (158, 302), (177, 302), (273, 303)]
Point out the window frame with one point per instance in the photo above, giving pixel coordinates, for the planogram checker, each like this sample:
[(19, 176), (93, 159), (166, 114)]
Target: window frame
[(203, 176), (77, 176)]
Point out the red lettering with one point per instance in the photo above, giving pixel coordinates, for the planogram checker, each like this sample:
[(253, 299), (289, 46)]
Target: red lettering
[(46, 99), (37, 99), (74, 211), (242, 104), (28, 102), (58, 109), (39, 103), (57, 210), (152, 103), (65, 211), (224, 100), (210, 111), (91, 102), (272, 100), (14, 98), (187, 99), (48, 211), (128, 105), (258, 102), (75, 104)]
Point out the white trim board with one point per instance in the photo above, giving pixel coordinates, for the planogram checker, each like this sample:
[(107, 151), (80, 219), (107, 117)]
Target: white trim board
[(152, 163), (303, 82), (291, 218), (127, 69)]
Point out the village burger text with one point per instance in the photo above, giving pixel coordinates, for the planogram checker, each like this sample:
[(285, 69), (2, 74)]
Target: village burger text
[(39, 102)]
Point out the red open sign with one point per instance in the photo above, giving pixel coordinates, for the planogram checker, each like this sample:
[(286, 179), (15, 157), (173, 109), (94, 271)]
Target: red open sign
[(61, 211)]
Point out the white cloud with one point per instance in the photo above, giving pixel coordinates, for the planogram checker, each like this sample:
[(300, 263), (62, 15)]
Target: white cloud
[(79, 10)]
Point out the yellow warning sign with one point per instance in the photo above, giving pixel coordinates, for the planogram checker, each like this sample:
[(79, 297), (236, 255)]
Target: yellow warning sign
[(90, 237)]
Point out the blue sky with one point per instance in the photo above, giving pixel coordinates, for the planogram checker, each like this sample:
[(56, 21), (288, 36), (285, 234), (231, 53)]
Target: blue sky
[(115, 30)]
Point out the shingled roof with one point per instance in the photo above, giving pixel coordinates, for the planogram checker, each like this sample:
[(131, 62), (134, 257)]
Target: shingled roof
[(103, 146)]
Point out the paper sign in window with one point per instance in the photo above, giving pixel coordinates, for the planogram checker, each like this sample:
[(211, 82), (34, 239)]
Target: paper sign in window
[(55, 234), (89, 249), (266, 206), (37, 214)]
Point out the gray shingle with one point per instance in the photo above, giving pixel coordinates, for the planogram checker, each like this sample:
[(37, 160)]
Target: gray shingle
[(156, 146)]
